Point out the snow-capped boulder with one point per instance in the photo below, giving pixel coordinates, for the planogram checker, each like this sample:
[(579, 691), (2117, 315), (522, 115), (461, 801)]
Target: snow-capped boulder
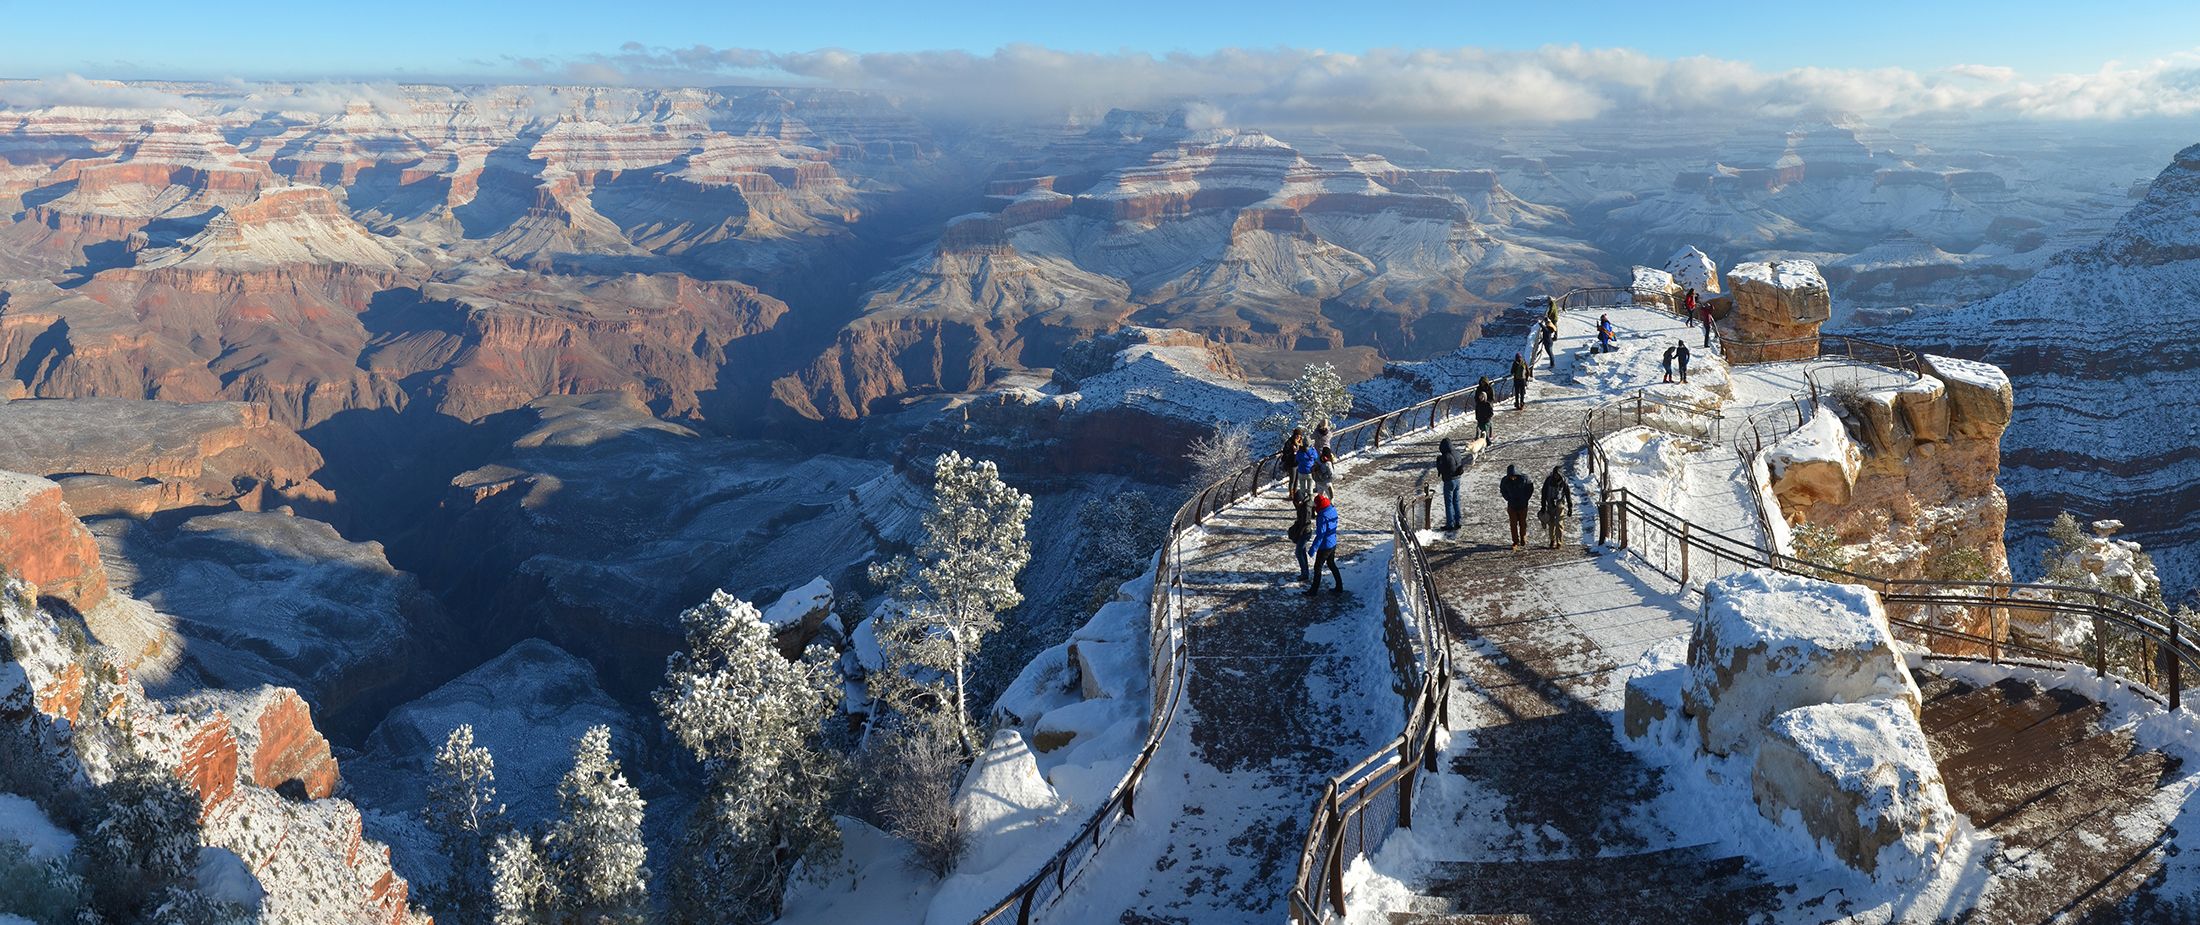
[(1980, 399), (1652, 284), (1005, 805), (1110, 651), (798, 615), (1861, 780), (1769, 642), (1777, 310), (1073, 722), (1692, 269), (1818, 463)]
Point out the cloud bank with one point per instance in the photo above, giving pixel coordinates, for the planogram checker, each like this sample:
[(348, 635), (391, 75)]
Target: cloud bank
[(1555, 84), (1466, 86)]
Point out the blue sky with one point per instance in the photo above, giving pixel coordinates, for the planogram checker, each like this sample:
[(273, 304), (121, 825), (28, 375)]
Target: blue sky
[(481, 38)]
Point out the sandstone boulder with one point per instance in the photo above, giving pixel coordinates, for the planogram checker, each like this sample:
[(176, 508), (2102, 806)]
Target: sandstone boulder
[(42, 542), (1777, 310), (1980, 399), (1653, 285), (1817, 464), (1769, 642), (1691, 269), (1862, 780), (797, 616)]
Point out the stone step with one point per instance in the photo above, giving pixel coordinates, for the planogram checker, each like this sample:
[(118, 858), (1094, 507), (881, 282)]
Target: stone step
[(1648, 887)]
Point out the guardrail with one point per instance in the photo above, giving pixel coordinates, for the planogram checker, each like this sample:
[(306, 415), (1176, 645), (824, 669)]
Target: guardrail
[(1166, 644)]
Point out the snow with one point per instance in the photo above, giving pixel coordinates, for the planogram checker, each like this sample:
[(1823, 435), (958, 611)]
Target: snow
[(22, 822), (1011, 815), (224, 877), (1969, 372), (1821, 439), (1873, 754), (799, 603), (1692, 269), (1769, 641), (1784, 274), (876, 881)]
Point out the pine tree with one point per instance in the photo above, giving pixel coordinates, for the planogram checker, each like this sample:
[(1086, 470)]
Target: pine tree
[(520, 891), (466, 818), (594, 851), (144, 841), (1319, 396), (952, 596), (754, 721)]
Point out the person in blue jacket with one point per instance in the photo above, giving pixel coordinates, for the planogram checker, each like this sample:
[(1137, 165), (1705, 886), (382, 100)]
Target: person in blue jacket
[(1606, 334), (1299, 455), (1325, 544)]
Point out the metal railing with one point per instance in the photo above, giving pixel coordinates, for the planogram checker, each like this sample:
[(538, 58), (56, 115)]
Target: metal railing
[(1168, 655)]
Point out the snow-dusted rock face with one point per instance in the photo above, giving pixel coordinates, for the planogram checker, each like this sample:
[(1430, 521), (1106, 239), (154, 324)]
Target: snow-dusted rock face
[(1860, 778), (2097, 348), (1693, 269), (134, 458), (1769, 642), (1652, 284), (42, 542), (1817, 464), (307, 855), (1778, 307)]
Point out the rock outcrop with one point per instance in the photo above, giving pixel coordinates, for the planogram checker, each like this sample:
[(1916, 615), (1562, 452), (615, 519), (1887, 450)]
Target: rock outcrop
[(132, 457), (42, 542), (1777, 308)]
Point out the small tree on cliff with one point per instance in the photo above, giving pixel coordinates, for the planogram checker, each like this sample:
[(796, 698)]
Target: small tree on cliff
[(594, 851), (1221, 452), (1319, 396), (952, 595), (520, 889), (143, 843), (466, 818), (755, 722)]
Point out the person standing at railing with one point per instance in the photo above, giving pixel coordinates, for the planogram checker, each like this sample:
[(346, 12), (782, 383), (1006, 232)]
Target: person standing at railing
[(1550, 342), (1558, 503), (1521, 375), (1485, 408), (1325, 544), (1517, 492), (1706, 312), (1302, 530), (1325, 473), (1450, 466), (1550, 313), (1300, 456), (1321, 436), (1681, 354)]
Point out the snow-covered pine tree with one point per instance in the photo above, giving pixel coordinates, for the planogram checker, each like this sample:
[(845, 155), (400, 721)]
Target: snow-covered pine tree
[(1319, 396), (520, 891), (466, 818), (144, 840), (594, 851), (964, 576), (754, 721)]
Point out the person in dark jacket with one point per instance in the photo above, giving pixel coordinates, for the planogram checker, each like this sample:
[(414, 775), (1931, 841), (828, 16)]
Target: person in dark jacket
[(1485, 407), (1450, 465), (1520, 382), (1550, 343), (1325, 473), (1302, 470), (1301, 481), (1705, 309), (1667, 364), (1302, 530), (1680, 355), (1321, 436), (1517, 492), (1558, 503), (1325, 543)]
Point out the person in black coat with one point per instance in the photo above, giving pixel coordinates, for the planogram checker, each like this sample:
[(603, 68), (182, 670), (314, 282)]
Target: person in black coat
[(1517, 492), (1521, 375), (1450, 465), (1485, 407), (1302, 530), (1680, 356), (1558, 503), (1550, 342)]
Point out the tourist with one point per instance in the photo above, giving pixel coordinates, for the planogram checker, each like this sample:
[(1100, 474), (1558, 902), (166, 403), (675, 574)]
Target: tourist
[(1517, 492), (1681, 354), (1606, 334), (1550, 313), (1485, 407), (1303, 459), (1321, 436), (1520, 382), (1325, 473), (1302, 530), (1688, 307), (1450, 465), (1667, 364), (1550, 343), (1325, 544), (1705, 309), (1558, 503)]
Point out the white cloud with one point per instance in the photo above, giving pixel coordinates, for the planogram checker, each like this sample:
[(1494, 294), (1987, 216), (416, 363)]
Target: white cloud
[(72, 90)]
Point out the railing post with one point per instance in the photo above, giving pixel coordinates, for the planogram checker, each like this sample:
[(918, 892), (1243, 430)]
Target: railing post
[(2100, 641), (1405, 792), (1435, 407), (1622, 520), (1256, 474), (1604, 518), (1377, 439), (2176, 667), (1335, 873), (1684, 555), (1023, 908), (1428, 507)]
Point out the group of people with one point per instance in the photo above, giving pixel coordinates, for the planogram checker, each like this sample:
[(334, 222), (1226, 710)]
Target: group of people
[(1515, 488), (1676, 353), (1313, 531)]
